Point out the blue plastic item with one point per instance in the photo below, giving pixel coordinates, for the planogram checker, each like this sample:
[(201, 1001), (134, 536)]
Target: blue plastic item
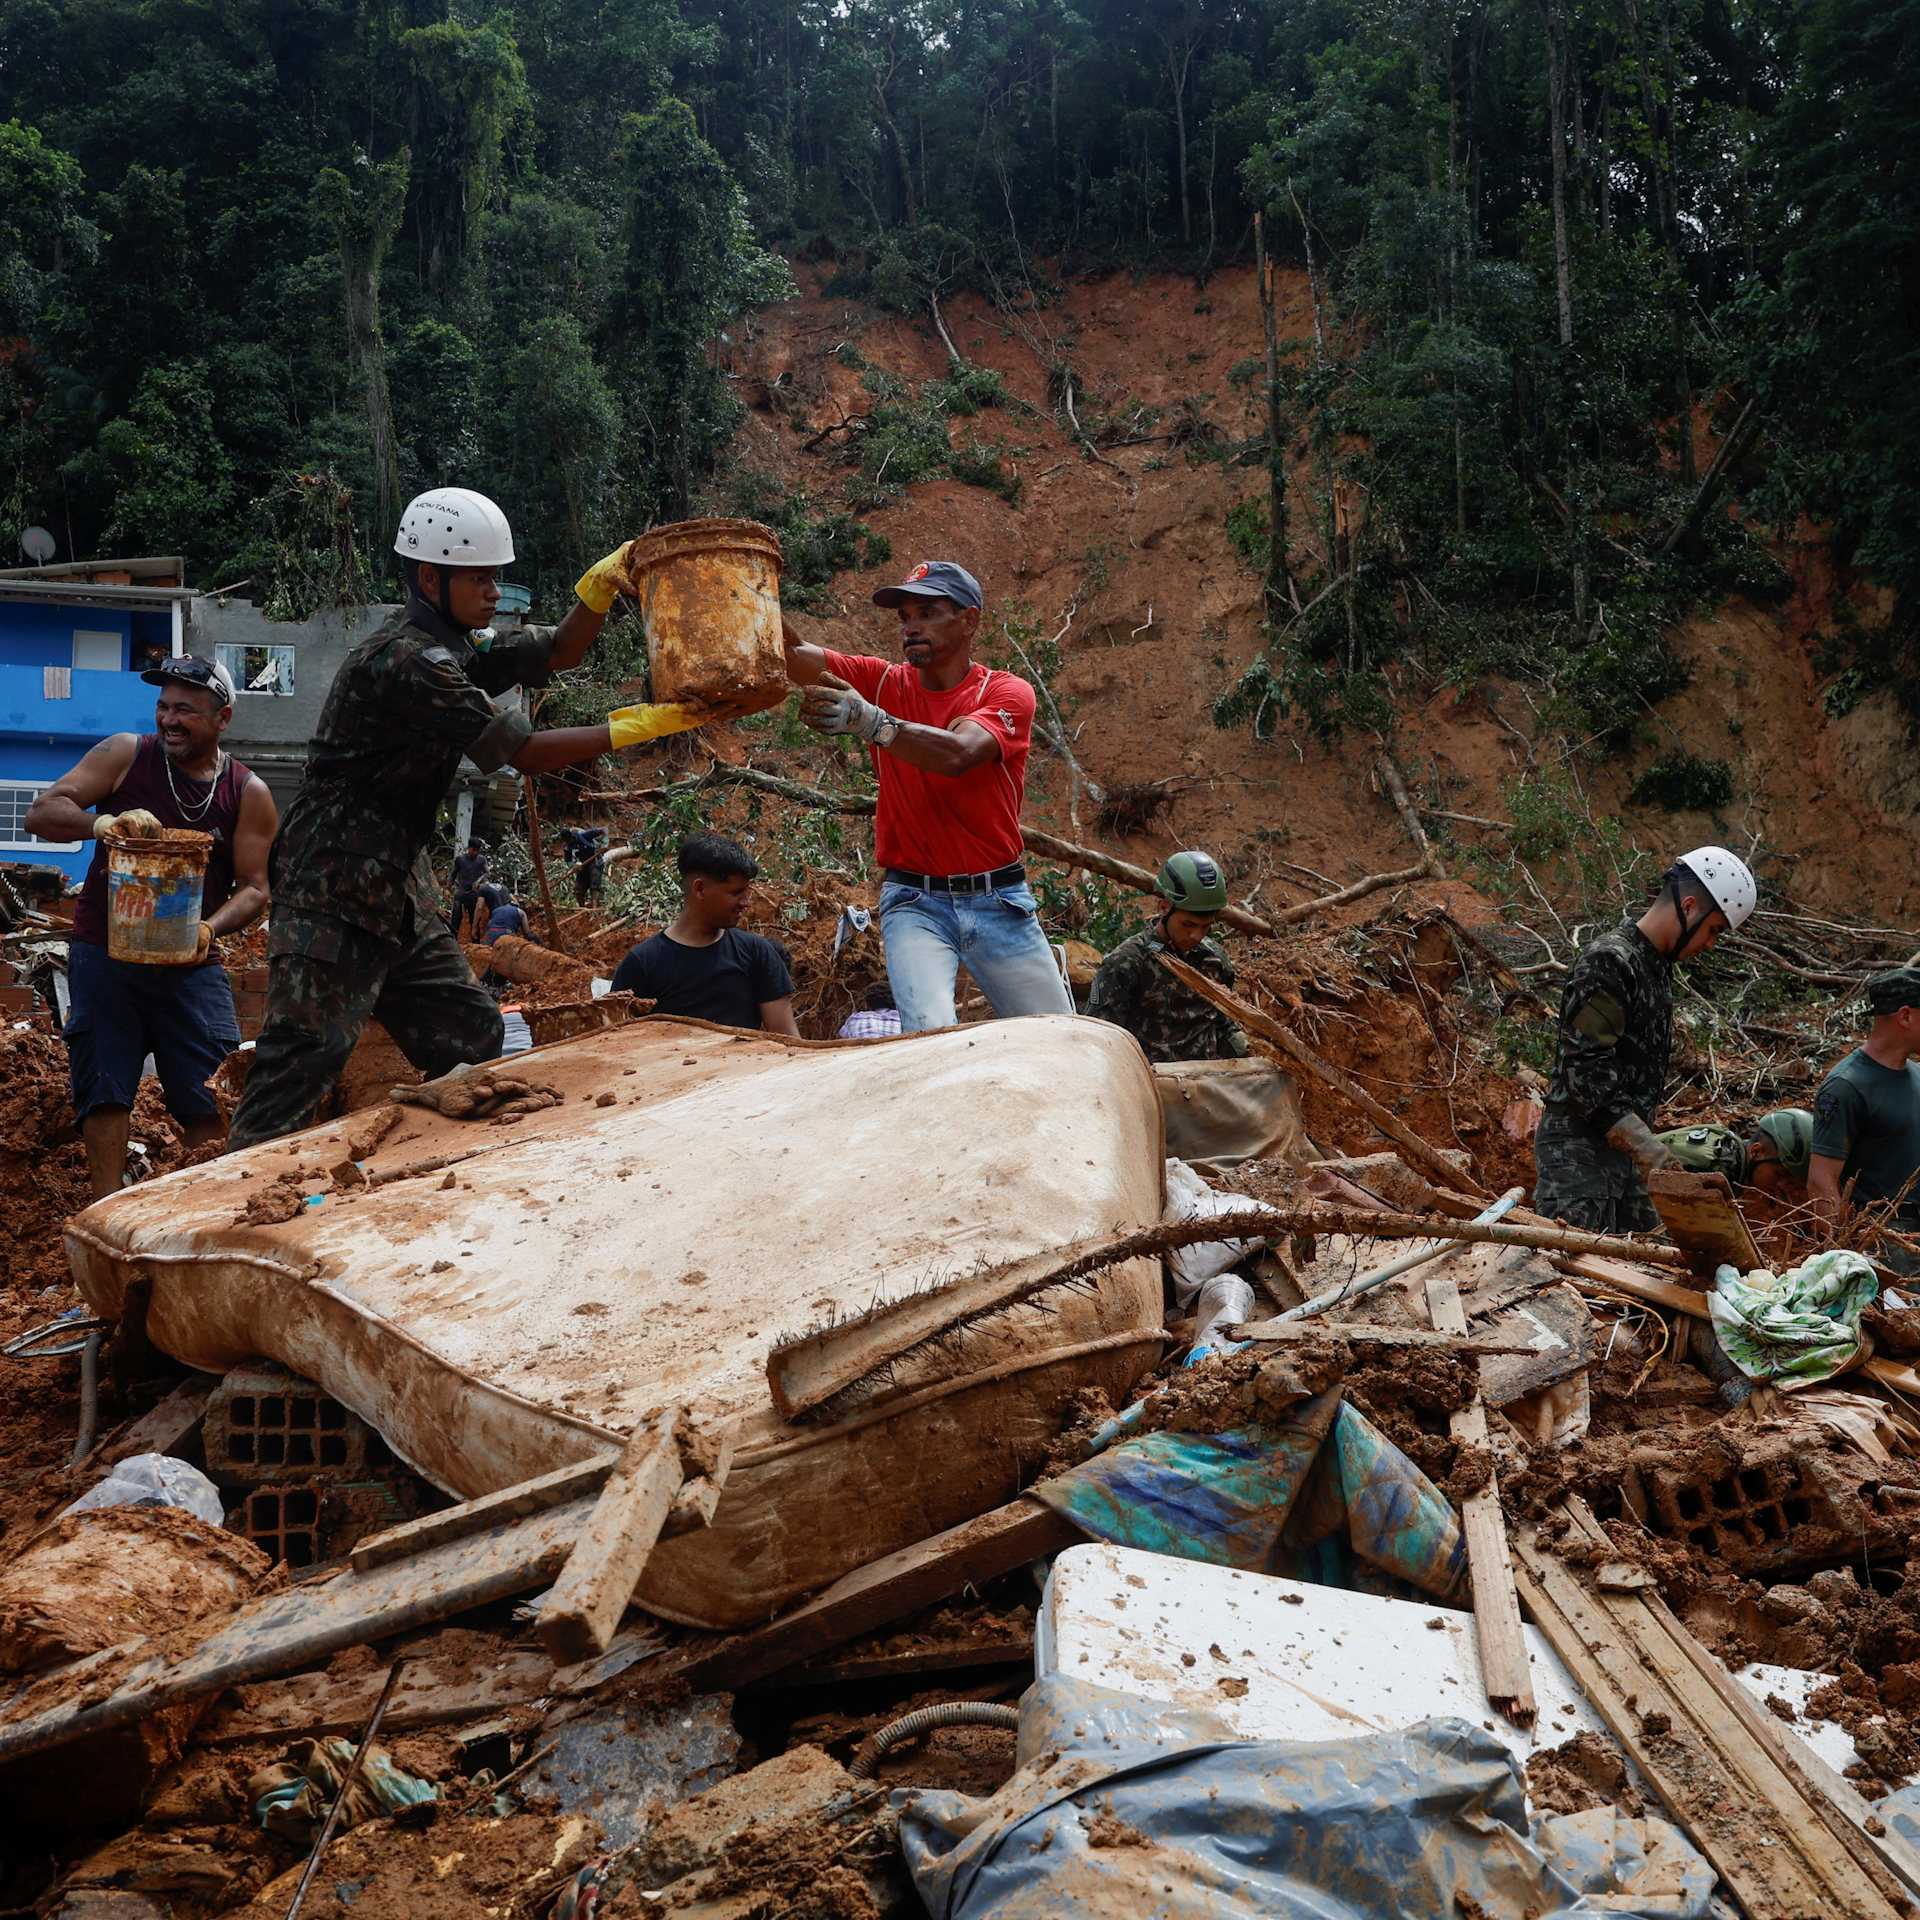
[(1132, 1806)]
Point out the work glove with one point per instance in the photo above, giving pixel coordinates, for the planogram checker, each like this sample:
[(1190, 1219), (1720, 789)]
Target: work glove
[(631, 725), (1638, 1141), (135, 824), (1237, 1044), (470, 1092), (833, 707), (605, 581)]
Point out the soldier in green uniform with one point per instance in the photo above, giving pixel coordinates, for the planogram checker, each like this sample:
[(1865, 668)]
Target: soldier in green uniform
[(1595, 1144), (1772, 1157), (1133, 990), (356, 930)]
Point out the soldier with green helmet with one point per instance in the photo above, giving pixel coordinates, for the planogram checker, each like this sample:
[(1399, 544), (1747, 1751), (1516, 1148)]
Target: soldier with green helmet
[(1133, 990), (1772, 1156)]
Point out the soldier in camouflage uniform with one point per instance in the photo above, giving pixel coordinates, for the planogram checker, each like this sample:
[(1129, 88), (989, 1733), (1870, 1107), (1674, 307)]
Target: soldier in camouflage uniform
[(1133, 990), (1595, 1144), (356, 929)]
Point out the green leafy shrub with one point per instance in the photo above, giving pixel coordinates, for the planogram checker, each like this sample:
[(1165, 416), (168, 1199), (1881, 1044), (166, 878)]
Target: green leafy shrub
[(1684, 782)]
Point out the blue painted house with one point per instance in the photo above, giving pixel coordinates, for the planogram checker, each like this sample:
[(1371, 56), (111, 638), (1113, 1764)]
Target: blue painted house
[(74, 640)]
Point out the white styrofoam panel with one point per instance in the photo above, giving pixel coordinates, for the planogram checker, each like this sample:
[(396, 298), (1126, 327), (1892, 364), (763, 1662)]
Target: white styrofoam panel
[(1299, 1662), (1833, 1744)]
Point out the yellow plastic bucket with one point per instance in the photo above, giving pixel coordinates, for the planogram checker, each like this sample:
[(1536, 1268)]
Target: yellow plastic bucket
[(709, 593), (153, 896)]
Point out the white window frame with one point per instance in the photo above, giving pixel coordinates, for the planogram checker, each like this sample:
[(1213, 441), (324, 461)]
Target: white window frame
[(112, 635), (27, 842), (237, 673)]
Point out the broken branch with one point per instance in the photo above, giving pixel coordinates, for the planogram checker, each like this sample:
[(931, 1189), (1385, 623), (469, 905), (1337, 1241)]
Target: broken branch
[(1255, 1022)]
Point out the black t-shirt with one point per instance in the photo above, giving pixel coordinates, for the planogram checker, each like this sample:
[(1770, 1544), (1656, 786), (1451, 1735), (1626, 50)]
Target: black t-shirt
[(726, 983)]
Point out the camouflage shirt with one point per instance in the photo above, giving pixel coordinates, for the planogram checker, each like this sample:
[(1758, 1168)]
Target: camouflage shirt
[(1616, 1031), (408, 704), (1171, 1021)]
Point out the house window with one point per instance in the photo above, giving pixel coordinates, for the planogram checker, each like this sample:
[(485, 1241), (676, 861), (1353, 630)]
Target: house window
[(96, 652), (14, 837), (257, 669)]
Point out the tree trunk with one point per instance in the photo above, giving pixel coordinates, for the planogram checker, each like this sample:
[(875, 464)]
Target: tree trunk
[(1666, 190), (1276, 428), (1178, 76), (365, 214), (1557, 134)]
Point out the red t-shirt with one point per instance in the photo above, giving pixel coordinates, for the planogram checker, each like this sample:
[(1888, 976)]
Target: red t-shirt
[(933, 822)]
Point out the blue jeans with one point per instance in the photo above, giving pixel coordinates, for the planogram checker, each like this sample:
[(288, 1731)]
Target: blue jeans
[(999, 937), (122, 1010)]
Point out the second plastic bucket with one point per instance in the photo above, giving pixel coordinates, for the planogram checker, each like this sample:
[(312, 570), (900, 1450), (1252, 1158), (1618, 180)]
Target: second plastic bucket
[(153, 896), (709, 593)]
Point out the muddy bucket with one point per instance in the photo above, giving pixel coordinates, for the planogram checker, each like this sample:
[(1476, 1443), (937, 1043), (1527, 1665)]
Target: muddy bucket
[(709, 593), (153, 896)]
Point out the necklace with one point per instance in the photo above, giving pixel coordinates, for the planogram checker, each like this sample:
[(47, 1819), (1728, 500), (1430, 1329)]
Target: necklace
[(199, 810)]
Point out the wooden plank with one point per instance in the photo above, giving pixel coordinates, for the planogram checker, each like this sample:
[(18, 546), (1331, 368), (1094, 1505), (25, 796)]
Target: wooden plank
[(1255, 1022), (161, 1428), (578, 1618), (509, 1503), (431, 1693), (1561, 1345), (810, 1369), (1726, 1788), (886, 1590), (281, 1631), (1701, 1219), (1826, 1792), (1504, 1663), (895, 1666), (1369, 1335), (1617, 1276)]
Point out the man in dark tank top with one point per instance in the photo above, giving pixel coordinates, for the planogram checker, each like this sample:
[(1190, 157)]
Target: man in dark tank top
[(122, 1011)]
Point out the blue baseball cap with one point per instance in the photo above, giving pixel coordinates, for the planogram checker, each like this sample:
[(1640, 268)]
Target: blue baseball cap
[(934, 580)]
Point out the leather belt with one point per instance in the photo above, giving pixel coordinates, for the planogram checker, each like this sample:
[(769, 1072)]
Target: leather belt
[(1013, 876)]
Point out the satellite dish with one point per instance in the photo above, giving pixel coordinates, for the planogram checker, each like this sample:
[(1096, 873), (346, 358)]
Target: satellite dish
[(37, 544)]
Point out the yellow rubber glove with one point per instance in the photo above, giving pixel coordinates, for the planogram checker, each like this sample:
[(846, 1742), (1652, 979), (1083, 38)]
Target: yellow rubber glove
[(631, 725), (605, 581)]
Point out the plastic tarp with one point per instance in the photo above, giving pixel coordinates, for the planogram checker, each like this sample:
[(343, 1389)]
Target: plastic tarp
[(1794, 1328), (1263, 1498), (1123, 1805), (1222, 1112), (1190, 1198)]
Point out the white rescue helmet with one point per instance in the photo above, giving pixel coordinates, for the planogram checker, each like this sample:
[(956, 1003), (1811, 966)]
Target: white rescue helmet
[(1728, 881), (454, 527)]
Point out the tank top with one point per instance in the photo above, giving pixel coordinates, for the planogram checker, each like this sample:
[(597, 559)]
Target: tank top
[(147, 785)]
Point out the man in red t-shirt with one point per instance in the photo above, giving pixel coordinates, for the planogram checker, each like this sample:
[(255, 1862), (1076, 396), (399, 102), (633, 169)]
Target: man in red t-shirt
[(949, 739)]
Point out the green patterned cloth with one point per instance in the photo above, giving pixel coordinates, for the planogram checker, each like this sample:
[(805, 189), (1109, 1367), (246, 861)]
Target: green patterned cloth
[(1794, 1328)]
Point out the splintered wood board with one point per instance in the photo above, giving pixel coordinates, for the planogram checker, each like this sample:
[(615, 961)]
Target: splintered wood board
[(1701, 1219), (1703, 1748)]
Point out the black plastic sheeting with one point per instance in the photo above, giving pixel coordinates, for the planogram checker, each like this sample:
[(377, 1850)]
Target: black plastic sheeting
[(1138, 1807)]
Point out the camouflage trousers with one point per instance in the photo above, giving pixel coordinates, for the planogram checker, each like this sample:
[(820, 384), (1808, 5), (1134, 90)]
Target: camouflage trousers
[(325, 981), (1585, 1182)]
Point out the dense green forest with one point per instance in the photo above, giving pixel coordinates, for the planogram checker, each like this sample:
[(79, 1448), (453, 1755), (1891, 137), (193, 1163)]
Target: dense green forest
[(267, 266)]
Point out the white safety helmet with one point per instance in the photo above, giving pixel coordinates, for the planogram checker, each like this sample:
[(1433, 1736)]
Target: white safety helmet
[(1727, 878), (454, 527)]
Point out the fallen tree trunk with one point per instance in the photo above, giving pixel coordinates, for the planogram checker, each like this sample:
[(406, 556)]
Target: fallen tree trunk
[(527, 965), (1270, 1029)]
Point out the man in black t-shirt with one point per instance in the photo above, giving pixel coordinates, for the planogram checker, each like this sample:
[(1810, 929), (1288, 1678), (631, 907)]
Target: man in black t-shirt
[(703, 965)]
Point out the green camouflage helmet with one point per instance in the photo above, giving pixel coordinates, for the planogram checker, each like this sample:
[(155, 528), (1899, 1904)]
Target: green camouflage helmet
[(1192, 882), (1709, 1149), (1791, 1131)]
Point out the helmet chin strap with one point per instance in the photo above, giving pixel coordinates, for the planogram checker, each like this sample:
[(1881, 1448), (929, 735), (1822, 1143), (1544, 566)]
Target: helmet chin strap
[(1688, 928)]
